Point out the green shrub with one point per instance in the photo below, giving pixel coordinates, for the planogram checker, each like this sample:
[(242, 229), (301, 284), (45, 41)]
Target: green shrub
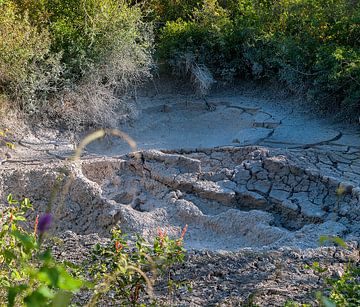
[(203, 38), (345, 290), (128, 270), (28, 70), (169, 10), (106, 50), (29, 275), (50, 48), (90, 34), (311, 46)]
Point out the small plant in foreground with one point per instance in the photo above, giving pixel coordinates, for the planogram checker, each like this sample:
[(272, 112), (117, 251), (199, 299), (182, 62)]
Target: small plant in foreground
[(343, 290), (124, 271), (29, 275)]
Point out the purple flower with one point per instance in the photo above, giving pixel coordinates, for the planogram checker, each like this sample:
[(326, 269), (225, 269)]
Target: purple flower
[(44, 222)]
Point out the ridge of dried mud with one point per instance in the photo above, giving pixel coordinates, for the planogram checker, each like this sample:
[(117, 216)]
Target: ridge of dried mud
[(231, 197)]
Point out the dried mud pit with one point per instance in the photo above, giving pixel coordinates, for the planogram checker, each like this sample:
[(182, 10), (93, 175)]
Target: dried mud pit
[(254, 214), (231, 198)]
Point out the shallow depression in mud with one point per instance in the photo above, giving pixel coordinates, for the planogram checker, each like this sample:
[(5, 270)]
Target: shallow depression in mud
[(230, 198)]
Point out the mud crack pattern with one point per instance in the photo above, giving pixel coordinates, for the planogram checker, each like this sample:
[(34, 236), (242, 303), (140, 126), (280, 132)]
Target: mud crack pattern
[(230, 197)]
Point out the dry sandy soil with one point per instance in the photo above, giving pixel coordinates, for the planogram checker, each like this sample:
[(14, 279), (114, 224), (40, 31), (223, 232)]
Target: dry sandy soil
[(257, 180)]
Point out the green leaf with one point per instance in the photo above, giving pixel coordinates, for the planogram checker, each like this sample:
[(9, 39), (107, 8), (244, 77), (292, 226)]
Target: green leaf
[(19, 218), (336, 240), (27, 241), (49, 275), (67, 282), (13, 292), (4, 282), (15, 275), (46, 256), (340, 242), (61, 299), (11, 201), (8, 255), (26, 203), (39, 298)]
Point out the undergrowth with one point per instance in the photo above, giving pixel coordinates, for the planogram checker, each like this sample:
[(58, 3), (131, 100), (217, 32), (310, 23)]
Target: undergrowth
[(61, 58), (342, 290), (70, 61), (310, 46), (120, 271)]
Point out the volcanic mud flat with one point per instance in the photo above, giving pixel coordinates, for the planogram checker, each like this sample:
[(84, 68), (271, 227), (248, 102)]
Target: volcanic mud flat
[(230, 198), (254, 215)]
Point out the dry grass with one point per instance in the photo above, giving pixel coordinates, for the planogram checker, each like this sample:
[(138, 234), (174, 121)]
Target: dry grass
[(103, 97), (200, 76)]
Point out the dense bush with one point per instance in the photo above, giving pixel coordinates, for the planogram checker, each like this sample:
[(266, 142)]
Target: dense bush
[(312, 46), (168, 10), (80, 55), (106, 49), (28, 69), (76, 46)]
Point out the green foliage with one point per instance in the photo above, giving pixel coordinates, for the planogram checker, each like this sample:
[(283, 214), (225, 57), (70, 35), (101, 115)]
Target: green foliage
[(340, 291), (127, 270), (345, 291), (29, 275), (312, 46), (169, 10), (28, 69), (91, 33), (49, 47), (203, 39), (338, 241)]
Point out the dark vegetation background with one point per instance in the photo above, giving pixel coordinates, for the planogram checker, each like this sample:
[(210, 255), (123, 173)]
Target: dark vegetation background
[(72, 61)]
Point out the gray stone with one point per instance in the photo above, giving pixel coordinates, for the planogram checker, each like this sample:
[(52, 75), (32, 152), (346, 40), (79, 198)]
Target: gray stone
[(262, 186), (279, 194), (310, 210), (241, 175)]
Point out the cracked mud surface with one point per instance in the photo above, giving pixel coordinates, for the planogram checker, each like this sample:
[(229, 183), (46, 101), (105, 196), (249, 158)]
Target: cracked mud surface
[(255, 175), (230, 197)]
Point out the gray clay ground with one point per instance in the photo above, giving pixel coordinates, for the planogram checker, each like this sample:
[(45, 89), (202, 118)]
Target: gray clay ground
[(257, 174)]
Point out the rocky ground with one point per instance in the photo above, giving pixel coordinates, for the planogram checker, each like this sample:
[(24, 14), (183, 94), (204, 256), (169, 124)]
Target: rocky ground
[(257, 180)]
